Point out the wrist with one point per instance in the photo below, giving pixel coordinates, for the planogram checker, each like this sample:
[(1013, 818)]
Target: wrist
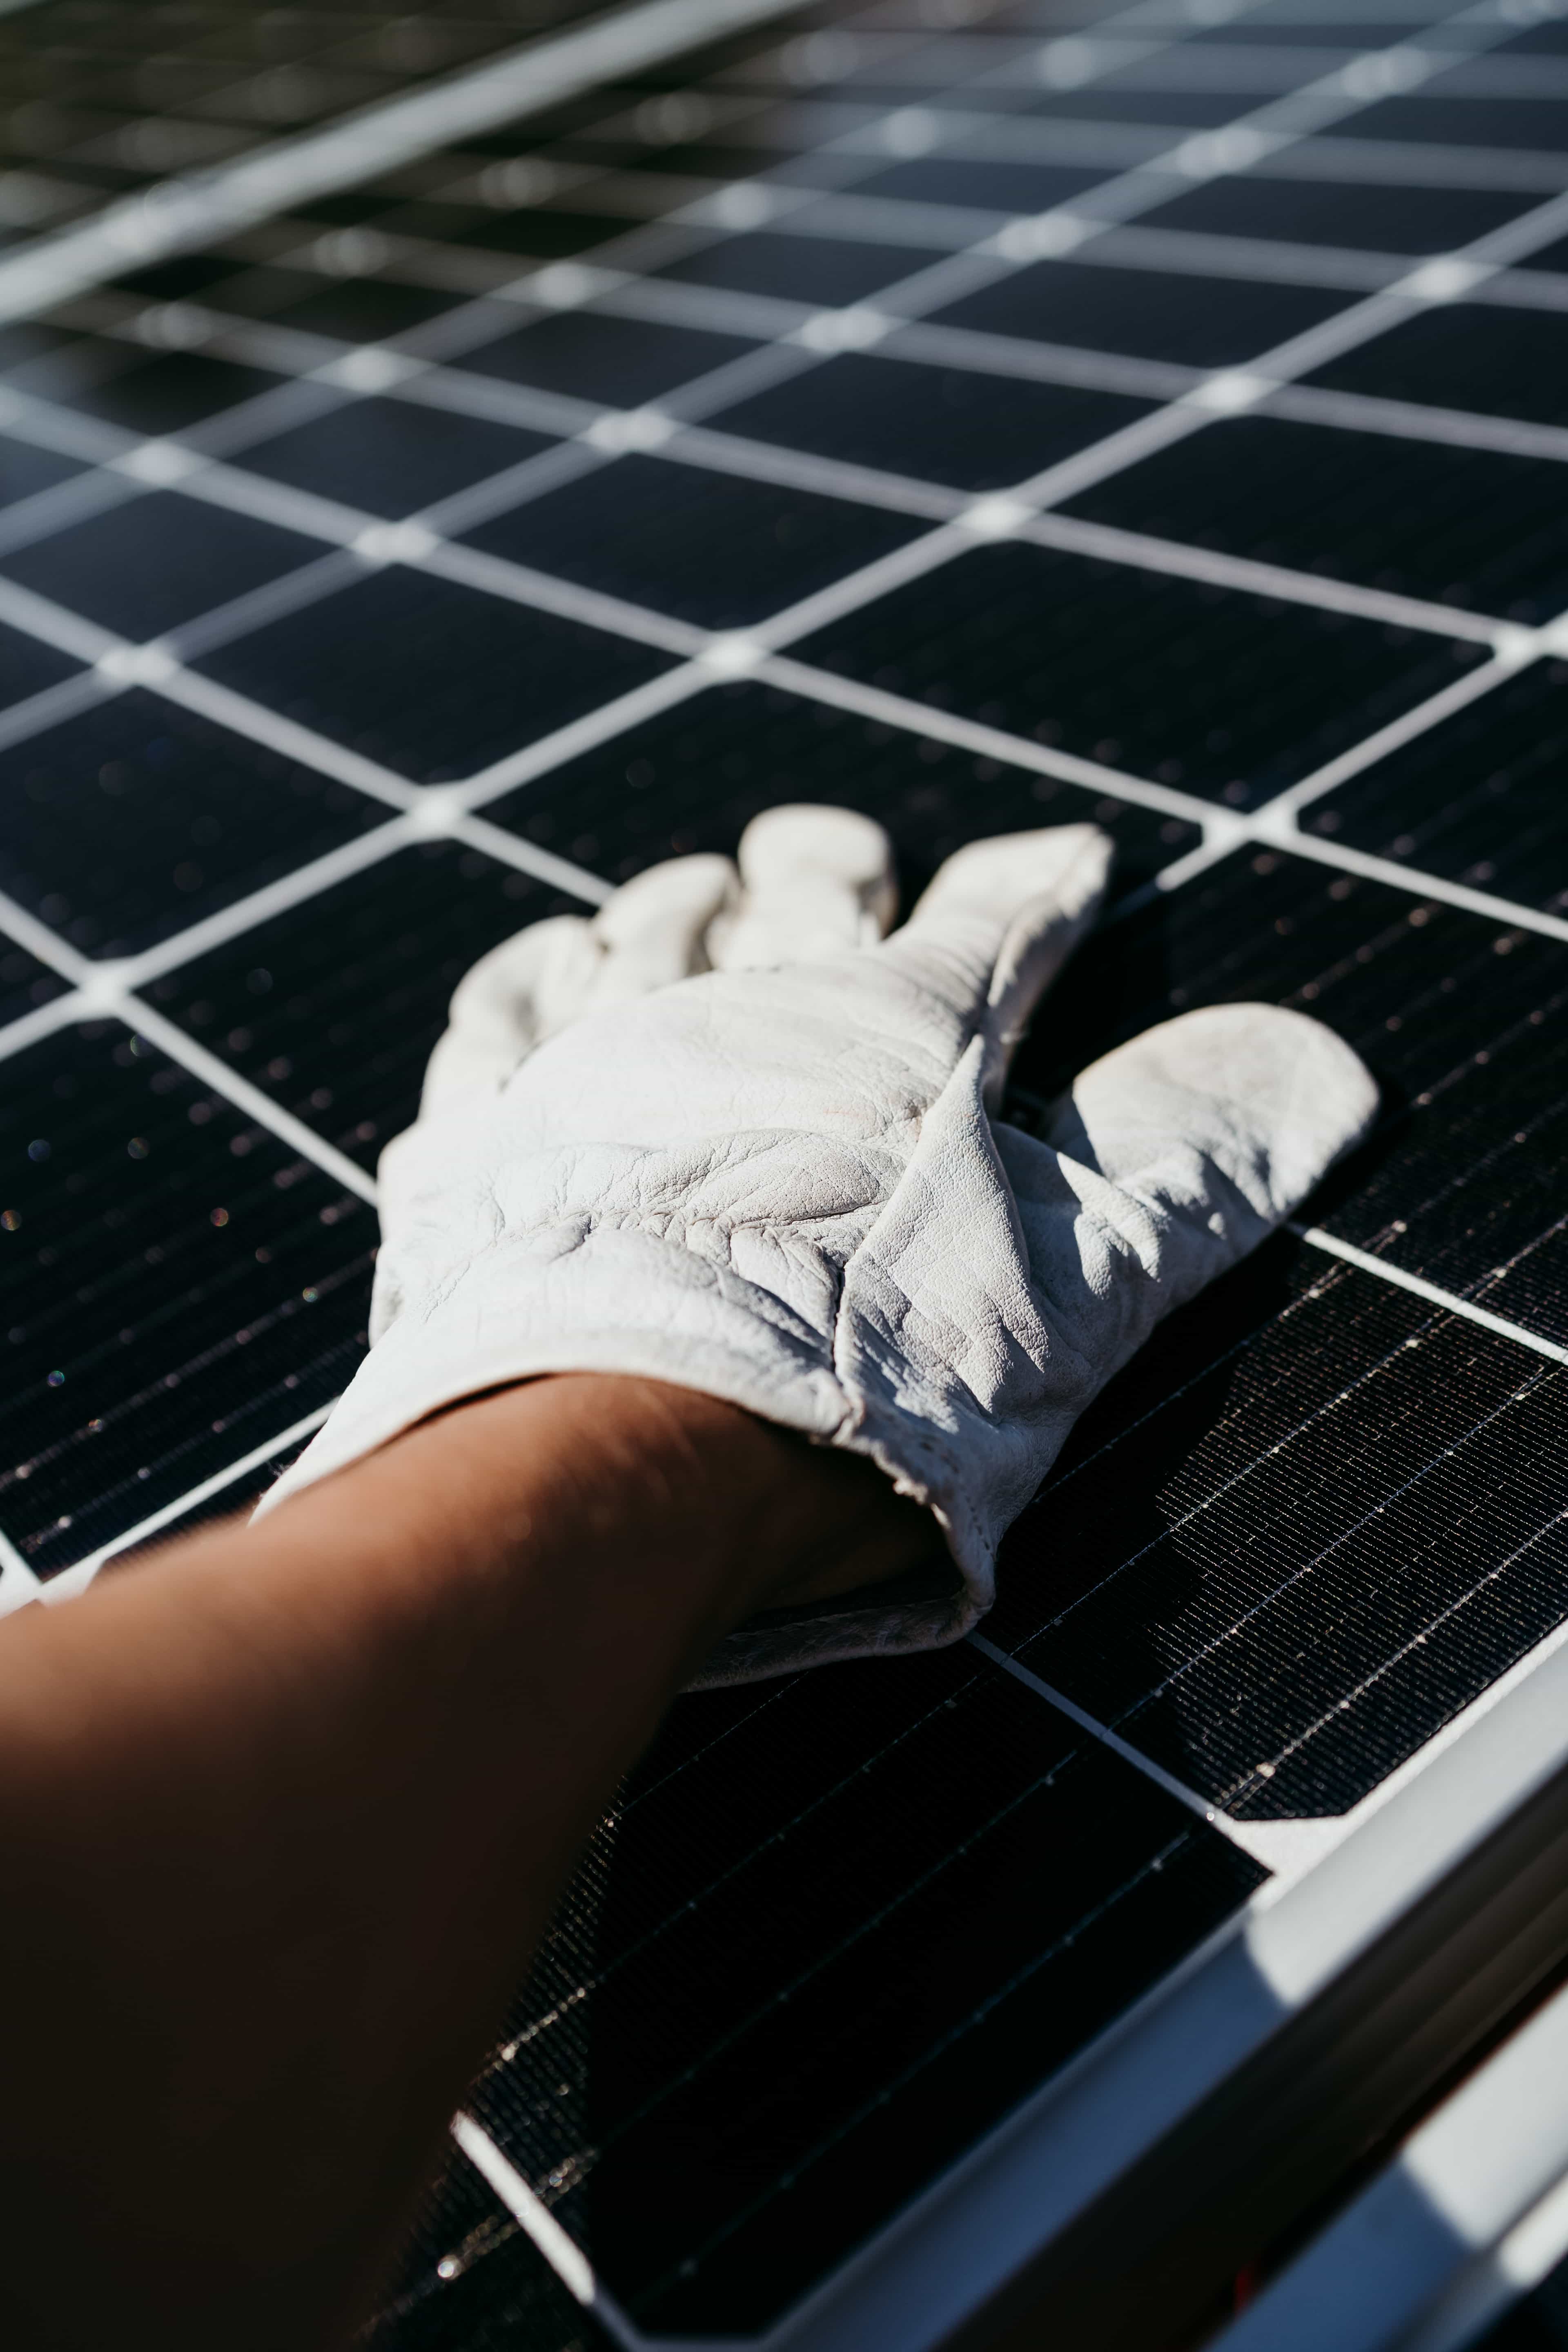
[(758, 1517)]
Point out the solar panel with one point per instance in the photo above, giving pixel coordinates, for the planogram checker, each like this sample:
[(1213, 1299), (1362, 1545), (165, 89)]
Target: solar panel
[(983, 417)]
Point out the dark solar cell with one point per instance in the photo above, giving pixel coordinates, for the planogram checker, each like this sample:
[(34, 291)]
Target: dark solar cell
[(943, 425), (1466, 527), (1315, 1518), (353, 309), (1459, 1018), (1235, 697), (802, 268), (143, 567), (167, 394), (22, 341), (990, 187), (706, 547), (695, 776), (24, 469), (1200, 321), (187, 276), (137, 818), (27, 667), (543, 234), (180, 1288), (809, 1972), (1291, 29), (1108, 101), (1498, 362), (1480, 799), (1320, 212), (391, 456), (593, 357), (334, 1006), (25, 982), (433, 680), (1509, 123)]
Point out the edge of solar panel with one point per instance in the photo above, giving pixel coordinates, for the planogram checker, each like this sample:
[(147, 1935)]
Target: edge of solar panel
[(1169, 2147), (1459, 2240)]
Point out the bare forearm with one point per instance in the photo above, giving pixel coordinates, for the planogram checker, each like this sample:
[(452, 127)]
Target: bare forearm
[(283, 1811)]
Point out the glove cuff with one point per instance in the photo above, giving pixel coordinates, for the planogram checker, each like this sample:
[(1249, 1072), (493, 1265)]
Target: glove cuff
[(624, 1300)]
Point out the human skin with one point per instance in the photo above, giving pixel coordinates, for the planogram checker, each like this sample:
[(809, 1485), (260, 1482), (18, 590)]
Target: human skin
[(285, 1808)]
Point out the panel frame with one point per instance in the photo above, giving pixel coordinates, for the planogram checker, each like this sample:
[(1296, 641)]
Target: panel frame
[(1459, 2227), (1132, 2188)]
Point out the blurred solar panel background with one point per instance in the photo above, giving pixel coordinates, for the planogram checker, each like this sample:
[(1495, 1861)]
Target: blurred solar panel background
[(985, 416)]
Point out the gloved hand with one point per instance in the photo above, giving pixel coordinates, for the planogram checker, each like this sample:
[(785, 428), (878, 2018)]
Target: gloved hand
[(726, 1135)]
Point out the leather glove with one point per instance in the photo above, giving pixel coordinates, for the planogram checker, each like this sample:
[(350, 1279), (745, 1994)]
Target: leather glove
[(727, 1134)]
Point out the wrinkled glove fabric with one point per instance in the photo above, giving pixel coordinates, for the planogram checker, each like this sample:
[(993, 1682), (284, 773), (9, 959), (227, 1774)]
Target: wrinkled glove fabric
[(728, 1134)]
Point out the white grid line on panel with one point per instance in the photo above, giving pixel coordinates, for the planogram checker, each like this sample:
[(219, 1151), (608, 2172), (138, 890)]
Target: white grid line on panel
[(566, 2258), (1330, 1244)]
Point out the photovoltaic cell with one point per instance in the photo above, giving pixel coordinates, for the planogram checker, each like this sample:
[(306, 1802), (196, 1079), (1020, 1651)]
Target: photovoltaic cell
[(137, 818), (1469, 527), (855, 1965), (180, 1285), (693, 777), (1479, 798), (1200, 321), (593, 357), (141, 568), (943, 425), (708, 547), (434, 678), (1408, 219), (1498, 362), (1315, 1520), (334, 1006), (1236, 697), (833, 1928), (391, 457), (26, 667)]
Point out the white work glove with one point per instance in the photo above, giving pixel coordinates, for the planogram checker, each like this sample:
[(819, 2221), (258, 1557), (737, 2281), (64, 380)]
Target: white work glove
[(782, 1181)]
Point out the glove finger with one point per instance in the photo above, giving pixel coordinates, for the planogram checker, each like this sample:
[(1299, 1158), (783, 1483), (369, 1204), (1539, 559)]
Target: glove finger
[(817, 881), (997, 923), (654, 929), (505, 1006), (1173, 1157), (648, 933)]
